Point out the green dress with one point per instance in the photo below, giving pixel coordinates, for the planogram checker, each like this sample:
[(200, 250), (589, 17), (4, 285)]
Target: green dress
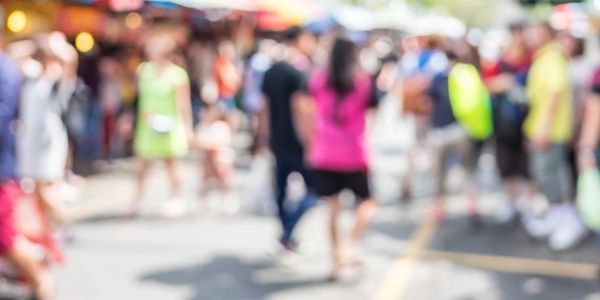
[(160, 132)]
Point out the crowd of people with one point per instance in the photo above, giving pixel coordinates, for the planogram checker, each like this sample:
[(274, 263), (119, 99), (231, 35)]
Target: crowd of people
[(305, 99)]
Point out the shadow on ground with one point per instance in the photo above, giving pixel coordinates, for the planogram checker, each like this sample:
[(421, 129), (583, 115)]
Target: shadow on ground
[(458, 235), (229, 277)]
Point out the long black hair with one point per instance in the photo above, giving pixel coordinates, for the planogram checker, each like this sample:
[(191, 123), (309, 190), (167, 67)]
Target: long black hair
[(343, 63)]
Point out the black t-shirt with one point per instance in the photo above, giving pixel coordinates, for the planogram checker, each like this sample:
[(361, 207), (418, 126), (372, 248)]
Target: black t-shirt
[(280, 83)]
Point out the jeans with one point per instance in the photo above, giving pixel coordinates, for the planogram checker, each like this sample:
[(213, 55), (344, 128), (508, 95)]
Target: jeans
[(289, 217)]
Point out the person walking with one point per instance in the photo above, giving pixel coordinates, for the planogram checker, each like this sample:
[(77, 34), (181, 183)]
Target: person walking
[(335, 132), (43, 145), (282, 83), (164, 124), (13, 245), (549, 128)]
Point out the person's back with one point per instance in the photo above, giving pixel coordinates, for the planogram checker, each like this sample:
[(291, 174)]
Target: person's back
[(280, 83), (338, 143)]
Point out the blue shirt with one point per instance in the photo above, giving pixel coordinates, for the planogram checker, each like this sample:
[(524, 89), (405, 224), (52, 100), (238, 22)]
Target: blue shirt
[(442, 114), (10, 85)]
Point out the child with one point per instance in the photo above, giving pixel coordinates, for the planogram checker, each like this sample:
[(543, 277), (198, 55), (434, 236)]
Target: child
[(213, 138)]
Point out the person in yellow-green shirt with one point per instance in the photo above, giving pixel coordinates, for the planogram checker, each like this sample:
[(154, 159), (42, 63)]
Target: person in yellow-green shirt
[(549, 129)]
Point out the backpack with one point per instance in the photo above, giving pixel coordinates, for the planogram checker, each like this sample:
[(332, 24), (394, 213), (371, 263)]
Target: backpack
[(509, 115), (470, 101), (75, 115)]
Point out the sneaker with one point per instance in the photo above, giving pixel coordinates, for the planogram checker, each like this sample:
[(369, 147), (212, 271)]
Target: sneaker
[(438, 213), (174, 208), (506, 215), (543, 227), (285, 255), (231, 205), (571, 232)]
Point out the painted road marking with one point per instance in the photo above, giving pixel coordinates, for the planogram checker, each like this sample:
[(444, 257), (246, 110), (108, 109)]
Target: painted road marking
[(518, 265), (397, 280)]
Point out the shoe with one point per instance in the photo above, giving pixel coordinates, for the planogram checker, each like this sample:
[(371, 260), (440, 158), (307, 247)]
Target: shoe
[(231, 205), (571, 232), (506, 215), (285, 254), (174, 208), (437, 214), (543, 227)]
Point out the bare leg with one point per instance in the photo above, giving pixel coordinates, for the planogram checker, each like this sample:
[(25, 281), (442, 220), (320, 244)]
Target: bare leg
[(472, 199), (144, 167), (43, 192), (511, 188), (364, 214), (175, 207), (438, 213), (22, 256), (174, 177), (231, 204), (335, 208)]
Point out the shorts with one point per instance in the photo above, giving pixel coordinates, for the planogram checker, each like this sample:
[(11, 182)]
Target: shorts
[(331, 183), (512, 161), (551, 173), (9, 194), (453, 141)]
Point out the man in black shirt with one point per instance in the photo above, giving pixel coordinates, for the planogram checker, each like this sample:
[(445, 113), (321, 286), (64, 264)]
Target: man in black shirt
[(284, 81)]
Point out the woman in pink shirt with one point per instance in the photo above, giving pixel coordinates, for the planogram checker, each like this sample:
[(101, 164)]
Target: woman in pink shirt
[(341, 96)]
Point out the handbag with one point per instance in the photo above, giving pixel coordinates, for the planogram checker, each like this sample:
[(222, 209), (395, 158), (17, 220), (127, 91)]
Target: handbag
[(588, 198), (162, 124)]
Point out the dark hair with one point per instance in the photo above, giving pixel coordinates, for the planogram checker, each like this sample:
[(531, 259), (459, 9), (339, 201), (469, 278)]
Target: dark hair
[(579, 49), (342, 65), (548, 28), (291, 34), (516, 27)]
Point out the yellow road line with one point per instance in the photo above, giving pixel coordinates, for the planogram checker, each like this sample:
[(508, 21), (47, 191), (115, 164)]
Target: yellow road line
[(519, 265), (397, 280)]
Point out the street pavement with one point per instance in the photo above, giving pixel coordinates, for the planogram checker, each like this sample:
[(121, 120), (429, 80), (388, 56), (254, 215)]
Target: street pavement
[(209, 255)]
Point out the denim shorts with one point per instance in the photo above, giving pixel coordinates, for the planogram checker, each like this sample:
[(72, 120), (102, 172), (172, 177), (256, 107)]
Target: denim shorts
[(551, 173)]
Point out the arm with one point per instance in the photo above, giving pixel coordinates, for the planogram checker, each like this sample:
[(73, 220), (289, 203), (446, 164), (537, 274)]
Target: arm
[(591, 124), (590, 133), (184, 104), (303, 116), (263, 124), (543, 140), (500, 83)]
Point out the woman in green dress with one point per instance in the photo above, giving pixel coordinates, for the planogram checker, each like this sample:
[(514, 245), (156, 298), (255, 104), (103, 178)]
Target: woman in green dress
[(164, 124)]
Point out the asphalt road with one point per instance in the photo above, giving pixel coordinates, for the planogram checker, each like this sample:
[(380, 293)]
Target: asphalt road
[(210, 256)]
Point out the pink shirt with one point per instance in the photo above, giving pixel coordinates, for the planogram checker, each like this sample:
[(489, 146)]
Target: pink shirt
[(338, 142)]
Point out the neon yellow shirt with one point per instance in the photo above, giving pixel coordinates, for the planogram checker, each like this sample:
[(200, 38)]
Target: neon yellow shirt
[(548, 76)]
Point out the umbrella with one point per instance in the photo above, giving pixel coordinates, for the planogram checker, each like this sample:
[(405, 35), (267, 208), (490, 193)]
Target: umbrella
[(243, 5)]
